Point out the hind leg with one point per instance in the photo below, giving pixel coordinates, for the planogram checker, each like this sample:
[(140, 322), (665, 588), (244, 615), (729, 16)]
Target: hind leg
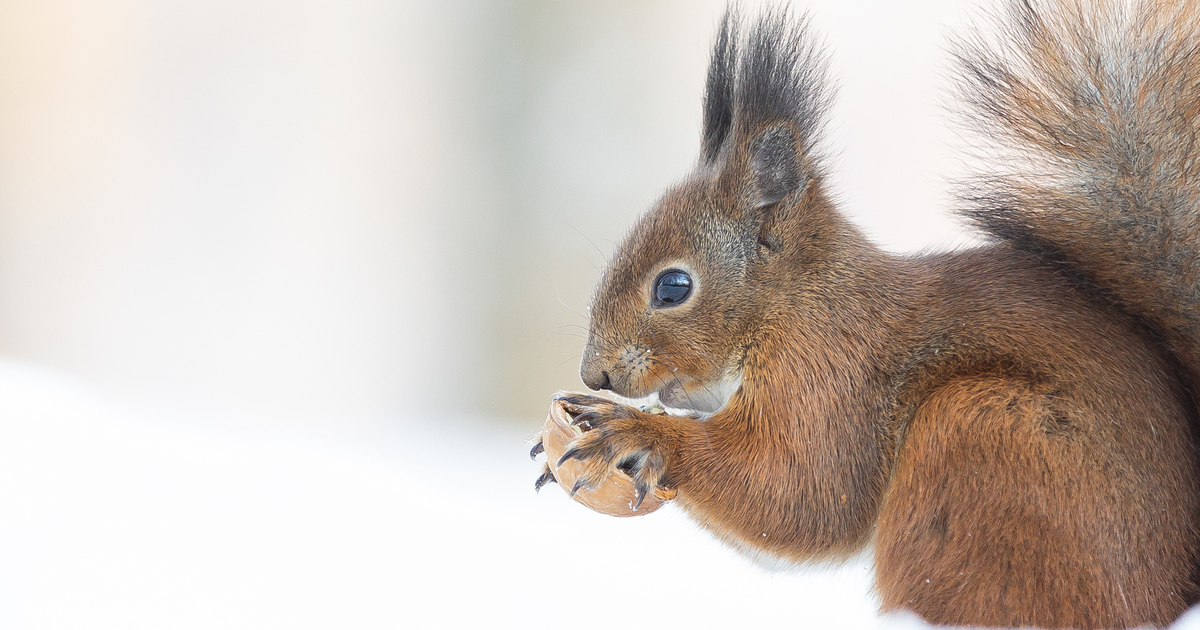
[(1008, 507)]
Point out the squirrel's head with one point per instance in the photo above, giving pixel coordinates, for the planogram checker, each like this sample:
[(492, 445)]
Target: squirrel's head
[(705, 269)]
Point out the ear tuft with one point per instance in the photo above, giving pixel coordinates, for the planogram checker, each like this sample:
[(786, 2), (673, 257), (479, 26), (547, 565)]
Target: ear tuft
[(718, 94), (775, 164)]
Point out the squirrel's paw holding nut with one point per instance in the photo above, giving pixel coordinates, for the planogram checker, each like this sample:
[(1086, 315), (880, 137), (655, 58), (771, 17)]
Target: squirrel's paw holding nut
[(615, 436)]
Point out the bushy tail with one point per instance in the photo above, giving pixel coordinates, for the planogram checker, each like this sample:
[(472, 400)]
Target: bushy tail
[(1095, 109)]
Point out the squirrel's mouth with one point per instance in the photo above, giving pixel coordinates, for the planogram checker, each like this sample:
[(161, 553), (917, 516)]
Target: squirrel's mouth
[(686, 395)]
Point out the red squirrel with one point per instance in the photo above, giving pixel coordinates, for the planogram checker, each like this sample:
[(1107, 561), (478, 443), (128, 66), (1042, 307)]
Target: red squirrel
[(1013, 427)]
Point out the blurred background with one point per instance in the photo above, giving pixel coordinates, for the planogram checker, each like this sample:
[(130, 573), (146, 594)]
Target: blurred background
[(325, 211), (286, 286)]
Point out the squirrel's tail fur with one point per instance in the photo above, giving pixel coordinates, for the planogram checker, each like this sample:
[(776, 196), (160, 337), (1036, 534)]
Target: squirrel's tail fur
[(1094, 106)]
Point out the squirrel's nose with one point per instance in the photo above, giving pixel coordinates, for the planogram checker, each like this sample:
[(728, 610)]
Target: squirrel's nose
[(597, 382), (593, 369)]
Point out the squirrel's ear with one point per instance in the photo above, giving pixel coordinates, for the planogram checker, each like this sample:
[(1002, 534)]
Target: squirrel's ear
[(775, 164)]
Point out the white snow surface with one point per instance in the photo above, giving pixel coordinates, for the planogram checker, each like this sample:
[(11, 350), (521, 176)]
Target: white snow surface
[(116, 519)]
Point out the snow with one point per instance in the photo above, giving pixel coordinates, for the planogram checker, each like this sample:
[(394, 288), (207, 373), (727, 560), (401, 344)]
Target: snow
[(114, 519)]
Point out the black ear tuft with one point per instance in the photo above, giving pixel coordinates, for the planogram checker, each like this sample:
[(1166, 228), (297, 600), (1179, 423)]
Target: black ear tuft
[(775, 72), (718, 92), (774, 164), (782, 76)]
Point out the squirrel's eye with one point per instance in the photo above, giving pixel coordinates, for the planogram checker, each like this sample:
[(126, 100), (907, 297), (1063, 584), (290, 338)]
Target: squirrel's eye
[(671, 288)]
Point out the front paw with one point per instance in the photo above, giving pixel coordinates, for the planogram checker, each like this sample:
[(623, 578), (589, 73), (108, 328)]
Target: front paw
[(616, 437)]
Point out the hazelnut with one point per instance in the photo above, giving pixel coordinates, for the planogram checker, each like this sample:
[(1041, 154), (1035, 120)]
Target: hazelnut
[(614, 495)]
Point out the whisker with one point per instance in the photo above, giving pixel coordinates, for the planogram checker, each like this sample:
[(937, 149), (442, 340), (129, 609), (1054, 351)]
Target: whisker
[(577, 357), (564, 305), (590, 331), (605, 258)]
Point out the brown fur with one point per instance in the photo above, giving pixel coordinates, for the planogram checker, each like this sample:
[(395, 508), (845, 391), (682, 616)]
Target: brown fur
[(1014, 425)]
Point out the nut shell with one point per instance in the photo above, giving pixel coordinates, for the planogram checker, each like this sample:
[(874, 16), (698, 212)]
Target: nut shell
[(614, 495)]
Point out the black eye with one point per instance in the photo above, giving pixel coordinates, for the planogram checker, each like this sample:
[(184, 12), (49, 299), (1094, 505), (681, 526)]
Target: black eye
[(671, 288)]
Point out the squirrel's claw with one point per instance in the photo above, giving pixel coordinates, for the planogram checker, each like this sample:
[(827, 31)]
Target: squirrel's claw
[(639, 492), (547, 477), (592, 409), (571, 453), (537, 449), (585, 420), (582, 400)]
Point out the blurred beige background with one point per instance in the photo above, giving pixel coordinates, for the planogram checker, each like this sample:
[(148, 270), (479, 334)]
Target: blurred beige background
[(320, 211), (285, 288)]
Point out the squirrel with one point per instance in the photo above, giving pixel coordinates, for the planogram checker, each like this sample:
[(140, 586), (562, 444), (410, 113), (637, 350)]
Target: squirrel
[(1013, 427)]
